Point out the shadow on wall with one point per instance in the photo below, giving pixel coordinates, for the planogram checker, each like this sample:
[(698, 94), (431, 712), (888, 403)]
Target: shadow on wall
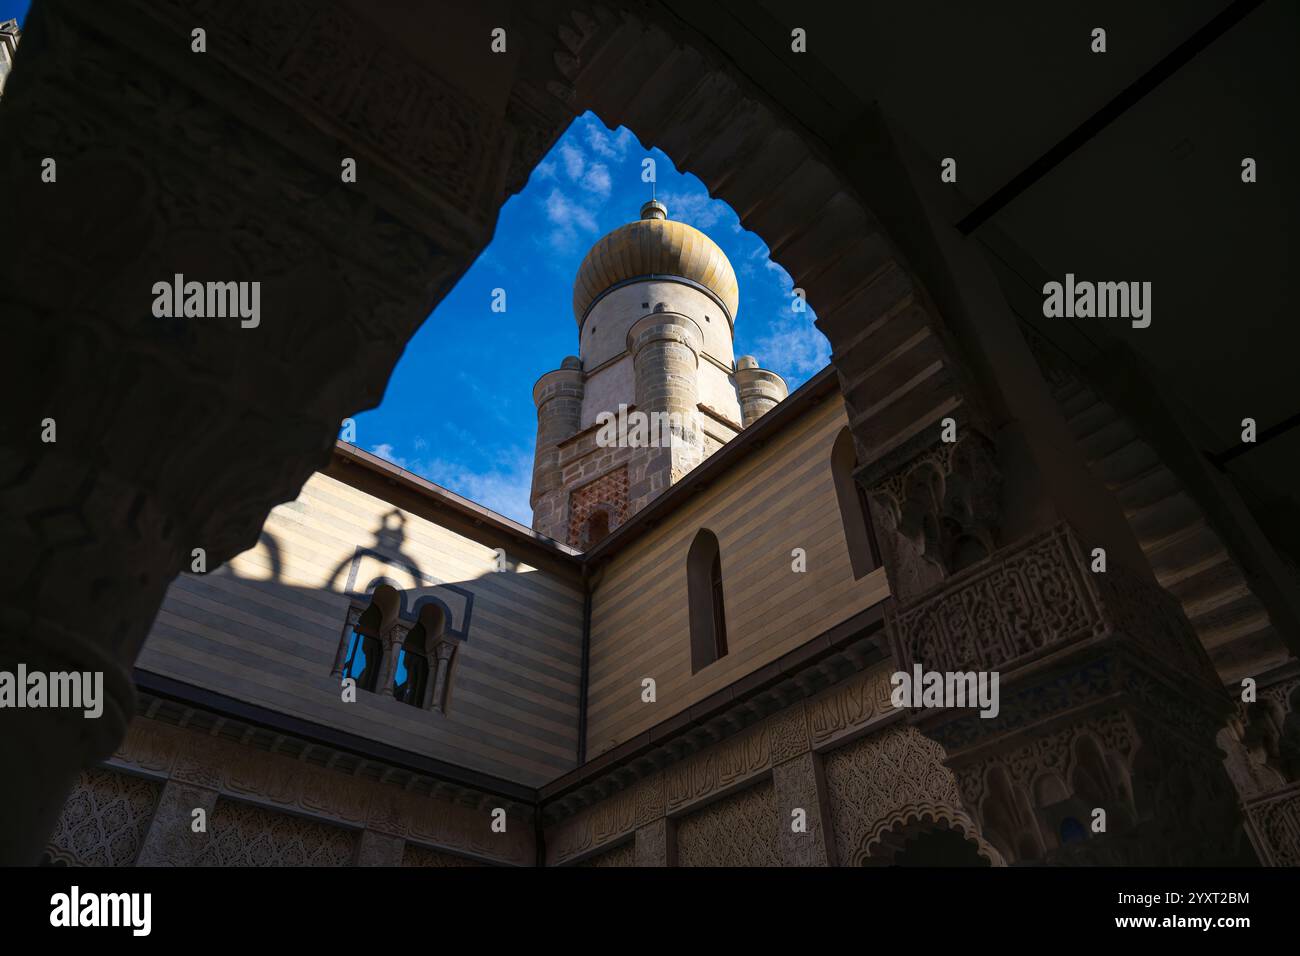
[(481, 672)]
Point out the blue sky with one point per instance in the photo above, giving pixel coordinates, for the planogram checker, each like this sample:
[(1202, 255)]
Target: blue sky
[(459, 408), (14, 10)]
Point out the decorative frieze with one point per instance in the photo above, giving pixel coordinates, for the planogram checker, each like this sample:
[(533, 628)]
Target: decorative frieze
[(607, 821), (849, 706), (719, 768)]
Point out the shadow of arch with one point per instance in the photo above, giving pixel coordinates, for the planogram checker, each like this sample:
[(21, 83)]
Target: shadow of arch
[(272, 554), (891, 837), (390, 537), (424, 611)]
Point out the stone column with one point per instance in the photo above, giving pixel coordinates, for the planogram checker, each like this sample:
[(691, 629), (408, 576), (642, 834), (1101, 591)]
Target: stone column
[(656, 844), (171, 840), (801, 785), (443, 652), (392, 643), (379, 849)]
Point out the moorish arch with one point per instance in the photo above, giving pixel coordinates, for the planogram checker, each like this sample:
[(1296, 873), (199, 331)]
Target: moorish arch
[(926, 835), (351, 270)]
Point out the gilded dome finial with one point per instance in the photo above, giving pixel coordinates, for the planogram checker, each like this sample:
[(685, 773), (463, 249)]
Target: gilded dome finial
[(654, 209)]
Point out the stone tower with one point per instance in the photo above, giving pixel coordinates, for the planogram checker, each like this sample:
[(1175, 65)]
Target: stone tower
[(655, 388)]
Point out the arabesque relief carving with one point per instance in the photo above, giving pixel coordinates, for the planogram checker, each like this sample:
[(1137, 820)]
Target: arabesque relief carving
[(738, 830), (105, 820)]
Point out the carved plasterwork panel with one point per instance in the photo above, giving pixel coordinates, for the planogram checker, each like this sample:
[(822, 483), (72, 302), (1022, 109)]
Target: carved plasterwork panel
[(739, 830), (342, 72), (1003, 612), (1275, 821), (240, 834), (105, 820)]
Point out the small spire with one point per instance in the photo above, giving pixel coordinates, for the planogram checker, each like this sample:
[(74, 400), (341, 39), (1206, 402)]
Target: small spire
[(654, 209)]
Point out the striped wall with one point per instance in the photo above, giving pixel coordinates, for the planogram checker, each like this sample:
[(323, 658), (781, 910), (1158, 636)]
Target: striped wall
[(265, 628), (776, 499)]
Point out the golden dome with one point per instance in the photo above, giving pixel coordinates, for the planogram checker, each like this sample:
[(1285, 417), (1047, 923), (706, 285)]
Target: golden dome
[(654, 246)]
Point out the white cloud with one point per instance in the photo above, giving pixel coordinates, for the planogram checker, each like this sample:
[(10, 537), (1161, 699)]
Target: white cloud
[(597, 181), (606, 144), (504, 487), (573, 159), (386, 452), (545, 170), (569, 219), (793, 347), (697, 209)]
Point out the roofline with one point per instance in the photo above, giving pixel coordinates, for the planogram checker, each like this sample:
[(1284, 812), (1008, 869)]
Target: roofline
[(454, 502), (752, 438)]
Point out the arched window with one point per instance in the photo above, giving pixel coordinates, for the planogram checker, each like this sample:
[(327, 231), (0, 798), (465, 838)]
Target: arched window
[(365, 651), (411, 678), (361, 650), (707, 614), (595, 530), (855, 512)]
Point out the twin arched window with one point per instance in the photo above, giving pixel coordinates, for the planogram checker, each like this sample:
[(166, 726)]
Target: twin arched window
[(708, 615), (414, 666)]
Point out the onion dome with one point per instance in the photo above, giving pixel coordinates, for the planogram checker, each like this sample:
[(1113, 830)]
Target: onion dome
[(655, 247)]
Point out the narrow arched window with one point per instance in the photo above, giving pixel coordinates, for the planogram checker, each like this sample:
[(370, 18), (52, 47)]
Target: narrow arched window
[(411, 677), (855, 512), (365, 650), (708, 617), (596, 529)]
